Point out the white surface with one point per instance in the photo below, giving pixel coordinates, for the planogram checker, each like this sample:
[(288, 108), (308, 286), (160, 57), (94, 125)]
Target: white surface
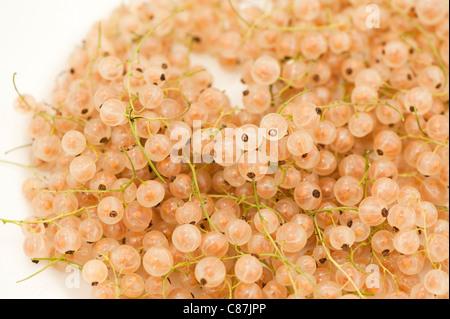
[(37, 37)]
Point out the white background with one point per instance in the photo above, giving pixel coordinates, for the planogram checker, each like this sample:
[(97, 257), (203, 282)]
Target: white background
[(36, 38)]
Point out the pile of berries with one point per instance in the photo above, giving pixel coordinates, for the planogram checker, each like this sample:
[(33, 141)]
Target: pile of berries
[(329, 181)]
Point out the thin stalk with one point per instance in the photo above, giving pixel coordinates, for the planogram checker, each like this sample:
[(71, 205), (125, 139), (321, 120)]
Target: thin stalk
[(418, 121), (28, 167), (291, 99), (138, 142), (18, 148), (199, 195), (18, 93), (51, 263)]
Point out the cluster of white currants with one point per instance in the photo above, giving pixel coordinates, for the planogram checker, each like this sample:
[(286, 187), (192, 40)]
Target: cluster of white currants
[(360, 117)]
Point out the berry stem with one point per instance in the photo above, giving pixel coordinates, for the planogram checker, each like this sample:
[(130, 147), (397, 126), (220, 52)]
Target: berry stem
[(18, 148), (366, 170), (18, 93), (290, 82), (291, 99), (322, 241), (426, 139), (116, 277), (79, 121), (138, 142), (51, 263), (187, 75), (199, 195), (352, 254), (425, 233), (414, 47), (385, 270), (418, 121), (97, 51), (28, 167), (62, 260), (330, 210), (46, 221), (286, 262), (238, 14), (136, 52)]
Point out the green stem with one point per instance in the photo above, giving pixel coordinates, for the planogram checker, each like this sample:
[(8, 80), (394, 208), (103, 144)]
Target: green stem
[(138, 142), (330, 210), (426, 139), (308, 28), (52, 262), (199, 195), (28, 167), (366, 170), (290, 82), (62, 260), (187, 75), (18, 148), (45, 221), (238, 14), (418, 121), (18, 93), (286, 262), (97, 51), (291, 99), (350, 280)]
